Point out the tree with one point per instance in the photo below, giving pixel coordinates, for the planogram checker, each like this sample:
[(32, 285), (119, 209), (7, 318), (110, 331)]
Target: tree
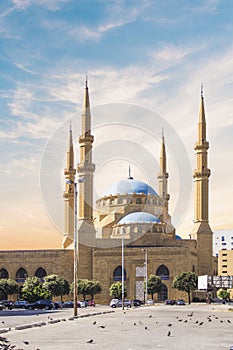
[(8, 287), (116, 290), (223, 294), (94, 287), (33, 290), (154, 285), (56, 286), (186, 282)]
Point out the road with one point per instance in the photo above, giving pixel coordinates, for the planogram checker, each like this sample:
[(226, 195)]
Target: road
[(190, 326)]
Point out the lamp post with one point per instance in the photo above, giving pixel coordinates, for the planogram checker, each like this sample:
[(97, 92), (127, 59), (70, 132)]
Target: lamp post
[(146, 275), (75, 249), (82, 179), (122, 270)]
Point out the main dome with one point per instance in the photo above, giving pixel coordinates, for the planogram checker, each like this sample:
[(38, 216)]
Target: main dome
[(138, 218), (129, 186)]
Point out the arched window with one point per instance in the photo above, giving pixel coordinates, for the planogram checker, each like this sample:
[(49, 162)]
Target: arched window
[(21, 273), (162, 295), (40, 272), (119, 200), (138, 201), (117, 274), (162, 272), (4, 273)]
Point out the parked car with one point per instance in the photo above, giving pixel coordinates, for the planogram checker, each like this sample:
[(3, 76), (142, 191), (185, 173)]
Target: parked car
[(68, 304), (170, 302), (20, 304), (180, 302), (82, 303), (2, 306), (90, 303), (40, 304), (7, 303), (118, 303), (137, 302), (149, 302)]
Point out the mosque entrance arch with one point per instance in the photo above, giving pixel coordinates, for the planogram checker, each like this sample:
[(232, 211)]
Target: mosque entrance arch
[(163, 294)]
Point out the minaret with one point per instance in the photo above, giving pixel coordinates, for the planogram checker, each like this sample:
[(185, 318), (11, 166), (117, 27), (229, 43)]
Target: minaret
[(69, 194), (163, 180), (85, 167), (201, 230)]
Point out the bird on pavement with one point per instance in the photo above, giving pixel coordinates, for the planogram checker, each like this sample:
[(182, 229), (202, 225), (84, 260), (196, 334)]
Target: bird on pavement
[(169, 324), (94, 322), (90, 341), (102, 327), (26, 342), (169, 333)]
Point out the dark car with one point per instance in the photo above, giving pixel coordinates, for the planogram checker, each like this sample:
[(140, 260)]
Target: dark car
[(7, 303), (137, 302), (170, 302), (180, 302), (40, 304), (2, 306), (20, 304)]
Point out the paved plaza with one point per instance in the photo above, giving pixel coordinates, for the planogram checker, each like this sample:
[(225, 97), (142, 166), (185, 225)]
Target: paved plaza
[(148, 327)]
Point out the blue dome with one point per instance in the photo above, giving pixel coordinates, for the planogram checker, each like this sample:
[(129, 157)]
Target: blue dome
[(129, 186), (178, 237), (138, 217)]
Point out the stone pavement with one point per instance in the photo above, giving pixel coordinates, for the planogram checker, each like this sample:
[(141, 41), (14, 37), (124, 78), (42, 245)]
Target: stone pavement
[(150, 327)]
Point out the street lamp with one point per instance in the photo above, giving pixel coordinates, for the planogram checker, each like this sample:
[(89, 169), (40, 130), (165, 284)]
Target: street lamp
[(82, 179), (122, 270), (146, 275)]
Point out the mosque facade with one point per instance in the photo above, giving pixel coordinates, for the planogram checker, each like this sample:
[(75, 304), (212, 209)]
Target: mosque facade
[(129, 215)]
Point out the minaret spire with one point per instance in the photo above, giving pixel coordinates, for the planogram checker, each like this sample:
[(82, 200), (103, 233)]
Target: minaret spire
[(85, 167), (68, 195), (201, 230), (163, 178)]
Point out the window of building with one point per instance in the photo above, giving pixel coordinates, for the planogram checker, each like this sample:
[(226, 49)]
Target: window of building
[(224, 260), (21, 273), (225, 254), (223, 238), (40, 272), (138, 201), (4, 273), (163, 272), (117, 274), (223, 266), (224, 271), (224, 243)]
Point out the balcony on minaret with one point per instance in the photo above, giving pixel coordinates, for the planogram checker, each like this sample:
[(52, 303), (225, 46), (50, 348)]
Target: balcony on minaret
[(203, 145), (204, 173)]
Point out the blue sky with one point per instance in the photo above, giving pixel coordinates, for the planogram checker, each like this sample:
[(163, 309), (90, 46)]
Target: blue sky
[(152, 54)]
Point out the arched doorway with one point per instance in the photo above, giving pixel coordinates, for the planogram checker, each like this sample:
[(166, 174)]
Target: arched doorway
[(162, 295)]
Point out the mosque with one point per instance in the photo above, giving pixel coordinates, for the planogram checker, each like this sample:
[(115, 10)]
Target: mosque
[(130, 215)]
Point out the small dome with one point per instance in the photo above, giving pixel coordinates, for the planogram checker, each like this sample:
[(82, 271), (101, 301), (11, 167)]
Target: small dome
[(138, 217), (129, 186), (178, 237)]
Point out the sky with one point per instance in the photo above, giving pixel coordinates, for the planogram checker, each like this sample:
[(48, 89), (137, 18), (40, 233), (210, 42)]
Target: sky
[(145, 61)]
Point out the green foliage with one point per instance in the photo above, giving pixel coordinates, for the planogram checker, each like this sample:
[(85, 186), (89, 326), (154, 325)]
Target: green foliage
[(154, 285), (8, 286), (186, 282), (86, 287), (33, 290), (56, 286), (223, 294), (116, 290)]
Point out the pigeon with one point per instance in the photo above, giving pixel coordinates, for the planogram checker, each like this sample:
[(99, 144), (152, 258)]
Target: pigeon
[(169, 333), (169, 325), (150, 316), (146, 327), (185, 321), (228, 321), (196, 322), (3, 322), (201, 323), (102, 327), (94, 322), (26, 342), (134, 324), (90, 341)]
